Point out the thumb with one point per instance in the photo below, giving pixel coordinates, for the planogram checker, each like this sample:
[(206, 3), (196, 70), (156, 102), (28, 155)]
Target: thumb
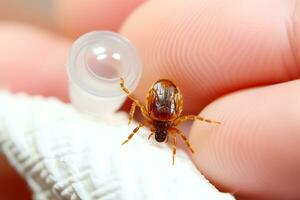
[(256, 148)]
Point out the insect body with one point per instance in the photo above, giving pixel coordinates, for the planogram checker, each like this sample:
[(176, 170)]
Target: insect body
[(162, 112), (164, 104)]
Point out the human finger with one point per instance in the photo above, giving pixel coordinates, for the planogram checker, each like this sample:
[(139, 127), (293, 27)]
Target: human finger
[(76, 17), (210, 48), (11, 182), (33, 60), (255, 152)]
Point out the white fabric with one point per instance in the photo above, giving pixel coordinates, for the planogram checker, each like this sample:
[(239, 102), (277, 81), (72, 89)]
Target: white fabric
[(65, 155)]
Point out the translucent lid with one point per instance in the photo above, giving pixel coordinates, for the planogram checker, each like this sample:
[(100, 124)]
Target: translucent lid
[(96, 62)]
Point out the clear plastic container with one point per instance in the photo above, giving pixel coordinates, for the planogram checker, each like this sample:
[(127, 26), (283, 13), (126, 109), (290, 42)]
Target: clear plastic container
[(96, 62)]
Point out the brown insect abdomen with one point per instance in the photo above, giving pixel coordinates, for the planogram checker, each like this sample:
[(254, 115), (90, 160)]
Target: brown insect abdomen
[(162, 101), (161, 130)]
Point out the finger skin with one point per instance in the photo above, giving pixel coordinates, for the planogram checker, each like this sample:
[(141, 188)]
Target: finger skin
[(76, 17), (255, 151), (10, 182), (210, 48), (33, 61)]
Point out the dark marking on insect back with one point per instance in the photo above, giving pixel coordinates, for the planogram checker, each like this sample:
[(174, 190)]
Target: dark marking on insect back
[(163, 106)]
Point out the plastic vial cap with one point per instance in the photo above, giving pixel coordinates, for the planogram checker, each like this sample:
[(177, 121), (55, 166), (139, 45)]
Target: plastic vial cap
[(96, 62)]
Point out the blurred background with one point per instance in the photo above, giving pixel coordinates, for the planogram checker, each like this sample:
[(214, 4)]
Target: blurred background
[(65, 20), (70, 18)]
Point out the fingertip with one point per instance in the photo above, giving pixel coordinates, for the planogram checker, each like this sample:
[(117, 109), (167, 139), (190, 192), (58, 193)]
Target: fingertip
[(255, 149), (210, 48), (33, 60), (76, 17)]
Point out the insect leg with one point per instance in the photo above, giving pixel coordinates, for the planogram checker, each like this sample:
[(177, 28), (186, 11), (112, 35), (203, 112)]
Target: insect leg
[(125, 89), (133, 132), (183, 138), (152, 132), (131, 113), (173, 132), (133, 98), (193, 117), (167, 139), (174, 149), (150, 135)]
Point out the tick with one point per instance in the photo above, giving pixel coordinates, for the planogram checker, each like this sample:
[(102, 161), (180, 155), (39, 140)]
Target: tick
[(162, 113)]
